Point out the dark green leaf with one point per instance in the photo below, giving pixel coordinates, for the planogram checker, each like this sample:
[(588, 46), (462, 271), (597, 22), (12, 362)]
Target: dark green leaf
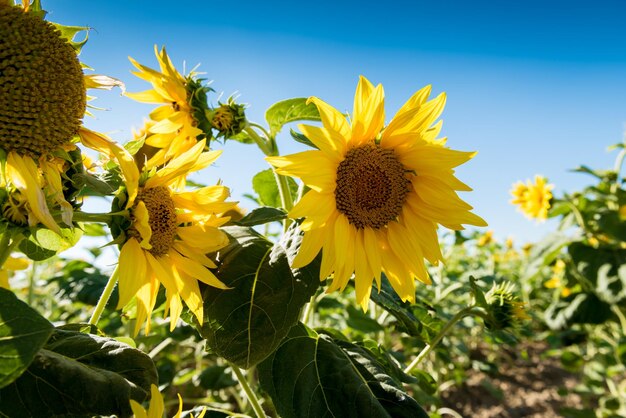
[(611, 224), (290, 110), (604, 268), (302, 139), (80, 374), (416, 319), (216, 378), (579, 308), (22, 333), (261, 216), (264, 184), (245, 323), (311, 375)]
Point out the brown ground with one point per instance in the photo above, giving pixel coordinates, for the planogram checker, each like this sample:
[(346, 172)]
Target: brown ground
[(522, 388)]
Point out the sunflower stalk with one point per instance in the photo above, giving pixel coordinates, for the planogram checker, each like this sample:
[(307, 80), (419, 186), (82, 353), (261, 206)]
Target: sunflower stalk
[(98, 217), (104, 298), (467, 311), (268, 147), (254, 401)]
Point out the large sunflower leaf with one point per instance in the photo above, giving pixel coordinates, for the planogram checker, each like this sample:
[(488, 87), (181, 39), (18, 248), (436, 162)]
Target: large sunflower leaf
[(312, 375), (290, 110), (245, 323), (22, 333), (80, 374)]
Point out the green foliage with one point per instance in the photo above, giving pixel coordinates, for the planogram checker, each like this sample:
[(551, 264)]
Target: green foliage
[(312, 375), (22, 333), (262, 215), (290, 110), (56, 380), (42, 243), (245, 324), (264, 184)]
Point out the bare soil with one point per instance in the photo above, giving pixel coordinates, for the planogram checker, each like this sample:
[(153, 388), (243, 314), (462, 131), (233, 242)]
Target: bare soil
[(529, 386)]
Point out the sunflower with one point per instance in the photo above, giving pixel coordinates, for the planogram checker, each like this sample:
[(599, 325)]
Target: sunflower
[(168, 235), (42, 103), (533, 199), (179, 121), (377, 193), (157, 406)]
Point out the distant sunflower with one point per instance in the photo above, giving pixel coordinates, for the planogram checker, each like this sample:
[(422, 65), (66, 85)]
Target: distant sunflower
[(179, 122), (168, 236), (42, 103), (377, 193), (533, 199)]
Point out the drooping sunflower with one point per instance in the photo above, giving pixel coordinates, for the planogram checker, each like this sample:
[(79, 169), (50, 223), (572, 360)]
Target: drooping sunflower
[(168, 235), (377, 193), (180, 122), (42, 103), (533, 199)]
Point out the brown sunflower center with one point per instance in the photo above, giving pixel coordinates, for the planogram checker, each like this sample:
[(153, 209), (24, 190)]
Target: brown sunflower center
[(161, 218), (371, 186), (42, 91)]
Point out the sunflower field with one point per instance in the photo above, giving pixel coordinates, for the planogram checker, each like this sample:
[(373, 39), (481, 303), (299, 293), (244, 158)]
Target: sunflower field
[(360, 285)]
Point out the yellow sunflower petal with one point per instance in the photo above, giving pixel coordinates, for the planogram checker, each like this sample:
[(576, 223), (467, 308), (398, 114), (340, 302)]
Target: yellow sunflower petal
[(328, 141), (177, 167), (131, 270), (157, 406), (54, 186), (142, 225), (367, 124), (196, 270), (299, 165), (317, 207), (312, 243), (203, 237), (126, 161), (23, 173), (332, 119)]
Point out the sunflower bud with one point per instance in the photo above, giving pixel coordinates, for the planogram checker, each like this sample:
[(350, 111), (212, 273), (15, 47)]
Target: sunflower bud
[(229, 119), (504, 310)]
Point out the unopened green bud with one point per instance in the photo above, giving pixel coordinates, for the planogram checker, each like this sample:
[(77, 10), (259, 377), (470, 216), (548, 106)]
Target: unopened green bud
[(228, 119), (505, 310)]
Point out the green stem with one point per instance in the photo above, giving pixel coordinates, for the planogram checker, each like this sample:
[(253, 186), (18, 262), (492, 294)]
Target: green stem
[(31, 284), (104, 297), (254, 401), (262, 143), (267, 147), (577, 215), (308, 309), (97, 217), (429, 347)]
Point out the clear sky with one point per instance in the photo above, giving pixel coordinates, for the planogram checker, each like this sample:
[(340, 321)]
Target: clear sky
[(535, 87)]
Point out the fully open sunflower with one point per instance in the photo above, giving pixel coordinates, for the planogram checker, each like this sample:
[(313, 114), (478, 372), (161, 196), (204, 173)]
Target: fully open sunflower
[(180, 121), (169, 234), (377, 193), (42, 103), (533, 199)]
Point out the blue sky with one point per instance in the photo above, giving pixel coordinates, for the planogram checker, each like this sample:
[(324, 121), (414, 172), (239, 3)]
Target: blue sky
[(535, 88)]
